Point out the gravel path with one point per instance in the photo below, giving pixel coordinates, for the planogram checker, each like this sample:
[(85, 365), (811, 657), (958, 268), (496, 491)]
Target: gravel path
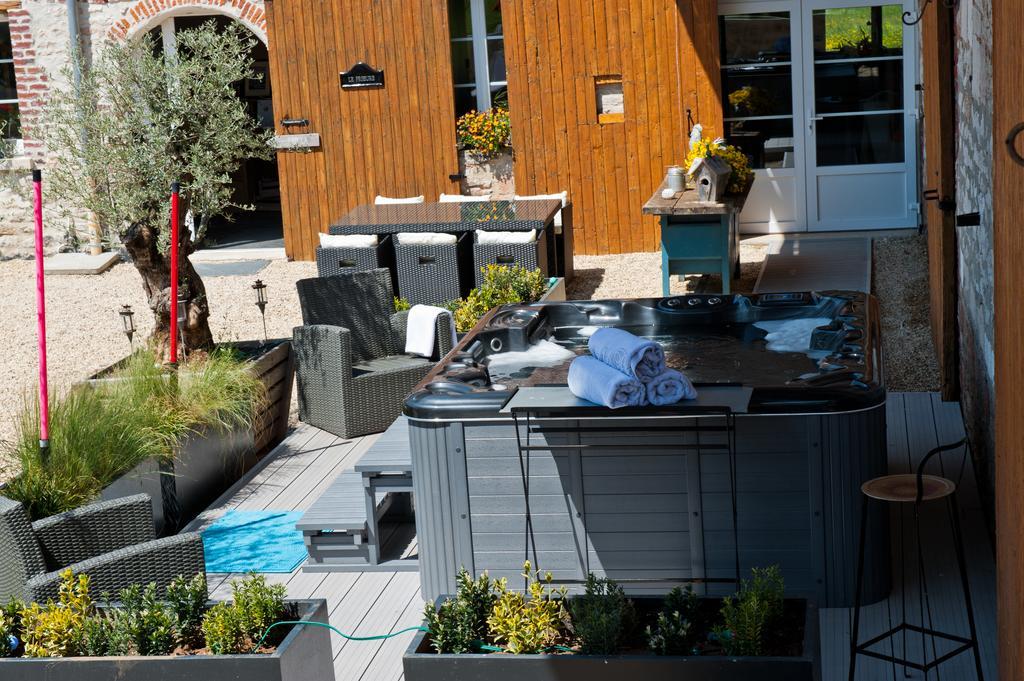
[(84, 329)]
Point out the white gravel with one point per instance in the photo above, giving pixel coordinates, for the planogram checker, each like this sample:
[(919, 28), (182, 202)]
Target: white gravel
[(84, 330)]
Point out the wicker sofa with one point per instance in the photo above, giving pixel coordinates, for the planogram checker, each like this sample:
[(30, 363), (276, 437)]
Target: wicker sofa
[(111, 541), (351, 372)]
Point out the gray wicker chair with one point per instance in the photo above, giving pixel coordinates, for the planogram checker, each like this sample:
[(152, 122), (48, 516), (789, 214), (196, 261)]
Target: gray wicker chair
[(111, 541), (351, 374)]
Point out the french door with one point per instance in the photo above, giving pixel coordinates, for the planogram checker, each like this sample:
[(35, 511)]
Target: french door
[(820, 95)]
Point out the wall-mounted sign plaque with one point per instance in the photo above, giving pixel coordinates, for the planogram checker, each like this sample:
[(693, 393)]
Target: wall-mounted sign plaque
[(361, 76)]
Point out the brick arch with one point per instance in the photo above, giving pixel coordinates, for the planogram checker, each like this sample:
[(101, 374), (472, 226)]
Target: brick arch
[(148, 14)]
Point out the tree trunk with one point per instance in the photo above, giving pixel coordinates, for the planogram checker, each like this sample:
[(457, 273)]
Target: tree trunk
[(141, 241)]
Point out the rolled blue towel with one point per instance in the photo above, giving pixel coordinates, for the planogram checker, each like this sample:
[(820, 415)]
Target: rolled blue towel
[(632, 355), (592, 380), (670, 387)]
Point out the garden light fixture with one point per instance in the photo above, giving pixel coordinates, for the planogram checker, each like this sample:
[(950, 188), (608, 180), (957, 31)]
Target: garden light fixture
[(128, 324), (261, 302)]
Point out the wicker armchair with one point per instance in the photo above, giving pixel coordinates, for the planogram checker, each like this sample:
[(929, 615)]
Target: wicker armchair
[(351, 374), (111, 541)]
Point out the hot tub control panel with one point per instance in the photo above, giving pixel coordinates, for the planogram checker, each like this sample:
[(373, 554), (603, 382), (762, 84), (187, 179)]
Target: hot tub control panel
[(800, 352)]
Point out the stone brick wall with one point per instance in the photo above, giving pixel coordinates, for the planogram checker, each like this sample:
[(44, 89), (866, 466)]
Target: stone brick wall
[(39, 31), (974, 244)]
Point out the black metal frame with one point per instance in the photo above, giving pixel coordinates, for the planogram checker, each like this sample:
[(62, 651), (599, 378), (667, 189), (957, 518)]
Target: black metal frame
[(729, 428), (966, 644)]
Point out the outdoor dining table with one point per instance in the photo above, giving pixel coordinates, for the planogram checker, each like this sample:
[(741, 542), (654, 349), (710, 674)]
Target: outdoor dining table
[(496, 216)]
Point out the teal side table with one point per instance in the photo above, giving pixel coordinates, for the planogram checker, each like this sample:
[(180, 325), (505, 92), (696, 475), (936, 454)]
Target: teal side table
[(697, 237)]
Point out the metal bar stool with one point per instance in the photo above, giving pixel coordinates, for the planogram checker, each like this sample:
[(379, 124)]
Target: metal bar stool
[(916, 488)]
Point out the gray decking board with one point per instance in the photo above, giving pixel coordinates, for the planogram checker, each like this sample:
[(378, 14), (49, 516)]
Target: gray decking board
[(373, 603)]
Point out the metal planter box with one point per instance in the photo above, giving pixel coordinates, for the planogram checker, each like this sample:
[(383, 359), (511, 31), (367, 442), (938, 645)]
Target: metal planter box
[(304, 655), (422, 664), (207, 463)]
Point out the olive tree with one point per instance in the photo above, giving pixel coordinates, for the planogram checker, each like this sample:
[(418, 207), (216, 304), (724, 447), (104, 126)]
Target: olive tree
[(140, 119)]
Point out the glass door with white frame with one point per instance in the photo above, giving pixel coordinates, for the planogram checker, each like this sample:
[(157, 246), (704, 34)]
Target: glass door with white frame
[(820, 95), (761, 81), (860, 132)]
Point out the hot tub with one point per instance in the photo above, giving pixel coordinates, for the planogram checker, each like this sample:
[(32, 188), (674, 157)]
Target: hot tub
[(765, 468)]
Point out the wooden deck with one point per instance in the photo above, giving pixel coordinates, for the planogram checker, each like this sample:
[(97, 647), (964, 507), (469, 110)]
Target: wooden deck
[(368, 603)]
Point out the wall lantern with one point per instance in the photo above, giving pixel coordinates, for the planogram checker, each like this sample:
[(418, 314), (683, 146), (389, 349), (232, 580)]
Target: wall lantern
[(948, 4)]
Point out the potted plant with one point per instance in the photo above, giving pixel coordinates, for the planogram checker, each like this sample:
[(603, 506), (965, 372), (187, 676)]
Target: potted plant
[(488, 632), (742, 175), (258, 635), (503, 285), (485, 153), (182, 437)]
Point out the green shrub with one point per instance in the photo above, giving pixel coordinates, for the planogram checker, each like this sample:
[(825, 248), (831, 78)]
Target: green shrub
[(144, 621), (460, 623), (451, 627), (531, 622), (672, 633), (186, 599), (502, 285), (402, 304), (602, 617), (57, 629), (102, 637), (222, 629), (98, 434), (748, 617), (10, 627), (237, 627), (259, 603)]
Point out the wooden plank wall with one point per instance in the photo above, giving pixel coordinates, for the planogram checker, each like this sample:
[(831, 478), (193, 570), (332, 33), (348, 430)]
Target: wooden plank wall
[(940, 176), (1008, 200), (667, 54), (395, 141)]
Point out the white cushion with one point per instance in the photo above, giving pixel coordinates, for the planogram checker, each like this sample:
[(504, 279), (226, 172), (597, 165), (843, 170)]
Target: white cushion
[(348, 240), (425, 238), (459, 198), (384, 200), (527, 237), (561, 196)]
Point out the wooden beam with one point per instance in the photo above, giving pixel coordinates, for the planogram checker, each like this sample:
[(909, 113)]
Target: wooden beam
[(1008, 205), (940, 181)]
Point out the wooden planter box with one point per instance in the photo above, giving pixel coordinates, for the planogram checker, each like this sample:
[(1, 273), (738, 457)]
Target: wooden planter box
[(422, 664), (209, 462), (304, 655)]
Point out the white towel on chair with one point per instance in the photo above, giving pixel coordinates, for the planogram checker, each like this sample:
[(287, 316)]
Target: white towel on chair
[(420, 330), (485, 237), (425, 239), (348, 240)]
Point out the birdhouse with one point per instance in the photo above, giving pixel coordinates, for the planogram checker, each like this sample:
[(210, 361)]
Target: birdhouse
[(711, 176)]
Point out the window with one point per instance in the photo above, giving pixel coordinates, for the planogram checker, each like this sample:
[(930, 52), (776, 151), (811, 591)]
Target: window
[(478, 55), (10, 127)]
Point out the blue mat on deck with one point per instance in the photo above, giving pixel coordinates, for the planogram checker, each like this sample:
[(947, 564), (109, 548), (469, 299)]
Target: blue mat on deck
[(258, 541)]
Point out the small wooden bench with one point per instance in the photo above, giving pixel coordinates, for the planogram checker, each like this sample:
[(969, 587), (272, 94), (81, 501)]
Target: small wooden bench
[(341, 528)]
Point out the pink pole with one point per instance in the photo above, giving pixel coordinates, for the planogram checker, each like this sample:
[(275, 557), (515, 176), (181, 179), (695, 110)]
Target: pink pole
[(44, 393), (175, 189)]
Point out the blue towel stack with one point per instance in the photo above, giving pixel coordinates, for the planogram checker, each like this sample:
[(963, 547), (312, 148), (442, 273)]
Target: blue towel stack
[(626, 371)]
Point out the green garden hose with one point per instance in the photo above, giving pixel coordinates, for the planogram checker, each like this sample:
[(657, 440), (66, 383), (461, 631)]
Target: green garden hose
[(382, 637)]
